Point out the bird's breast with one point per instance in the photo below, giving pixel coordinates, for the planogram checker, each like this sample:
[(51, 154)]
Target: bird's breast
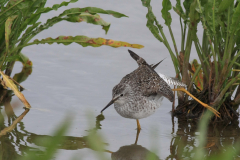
[(138, 107)]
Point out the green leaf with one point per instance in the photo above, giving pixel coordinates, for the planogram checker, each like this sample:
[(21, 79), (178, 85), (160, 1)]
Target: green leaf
[(24, 60), (179, 7), (151, 20), (212, 17), (12, 58), (179, 10), (165, 12), (3, 2), (86, 41), (32, 27), (82, 40), (70, 13), (194, 18), (23, 8), (34, 17), (28, 33), (89, 18), (34, 6), (22, 5), (152, 27), (146, 3), (23, 75), (187, 4), (8, 26), (9, 10), (224, 5), (223, 28), (56, 6), (2, 32), (16, 31), (235, 26), (36, 9), (26, 14), (92, 10), (238, 38)]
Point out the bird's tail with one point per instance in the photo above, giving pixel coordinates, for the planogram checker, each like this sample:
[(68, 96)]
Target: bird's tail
[(172, 81)]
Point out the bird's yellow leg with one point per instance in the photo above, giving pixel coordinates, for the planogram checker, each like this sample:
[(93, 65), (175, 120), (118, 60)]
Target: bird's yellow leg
[(108, 151), (138, 131), (138, 125), (203, 104)]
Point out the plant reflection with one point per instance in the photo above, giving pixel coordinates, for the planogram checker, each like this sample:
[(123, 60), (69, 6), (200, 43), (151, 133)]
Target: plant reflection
[(5, 99), (10, 137), (20, 141), (69, 142), (219, 139), (16, 143)]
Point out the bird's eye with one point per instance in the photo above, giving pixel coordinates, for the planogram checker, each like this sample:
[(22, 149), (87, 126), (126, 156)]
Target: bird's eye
[(121, 95)]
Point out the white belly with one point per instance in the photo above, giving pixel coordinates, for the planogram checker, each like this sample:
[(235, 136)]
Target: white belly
[(137, 109)]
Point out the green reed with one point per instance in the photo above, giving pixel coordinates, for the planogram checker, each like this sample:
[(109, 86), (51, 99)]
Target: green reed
[(217, 73)]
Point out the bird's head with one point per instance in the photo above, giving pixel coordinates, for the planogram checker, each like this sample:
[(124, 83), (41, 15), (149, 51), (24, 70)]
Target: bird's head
[(120, 94)]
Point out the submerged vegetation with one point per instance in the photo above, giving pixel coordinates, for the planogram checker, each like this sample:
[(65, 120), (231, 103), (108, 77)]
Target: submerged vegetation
[(215, 78)]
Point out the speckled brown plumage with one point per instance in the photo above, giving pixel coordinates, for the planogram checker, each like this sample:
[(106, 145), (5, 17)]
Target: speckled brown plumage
[(145, 81)]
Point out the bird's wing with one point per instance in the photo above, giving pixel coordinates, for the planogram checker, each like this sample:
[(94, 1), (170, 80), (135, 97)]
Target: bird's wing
[(165, 90), (152, 83), (149, 81), (172, 81)]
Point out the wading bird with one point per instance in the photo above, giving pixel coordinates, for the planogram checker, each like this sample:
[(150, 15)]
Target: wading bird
[(140, 93)]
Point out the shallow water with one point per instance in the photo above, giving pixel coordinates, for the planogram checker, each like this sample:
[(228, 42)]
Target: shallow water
[(76, 81)]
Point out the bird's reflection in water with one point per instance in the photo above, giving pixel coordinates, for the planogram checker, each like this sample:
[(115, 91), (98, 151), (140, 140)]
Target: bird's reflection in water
[(133, 152)]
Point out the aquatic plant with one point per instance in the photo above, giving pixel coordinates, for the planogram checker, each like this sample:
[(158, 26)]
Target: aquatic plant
[(19, 25), (216, 78)]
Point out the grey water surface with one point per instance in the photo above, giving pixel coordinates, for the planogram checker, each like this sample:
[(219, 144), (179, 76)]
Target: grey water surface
[(77, 81)]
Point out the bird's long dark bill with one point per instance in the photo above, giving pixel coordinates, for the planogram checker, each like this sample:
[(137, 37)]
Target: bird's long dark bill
[(109, 104)]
